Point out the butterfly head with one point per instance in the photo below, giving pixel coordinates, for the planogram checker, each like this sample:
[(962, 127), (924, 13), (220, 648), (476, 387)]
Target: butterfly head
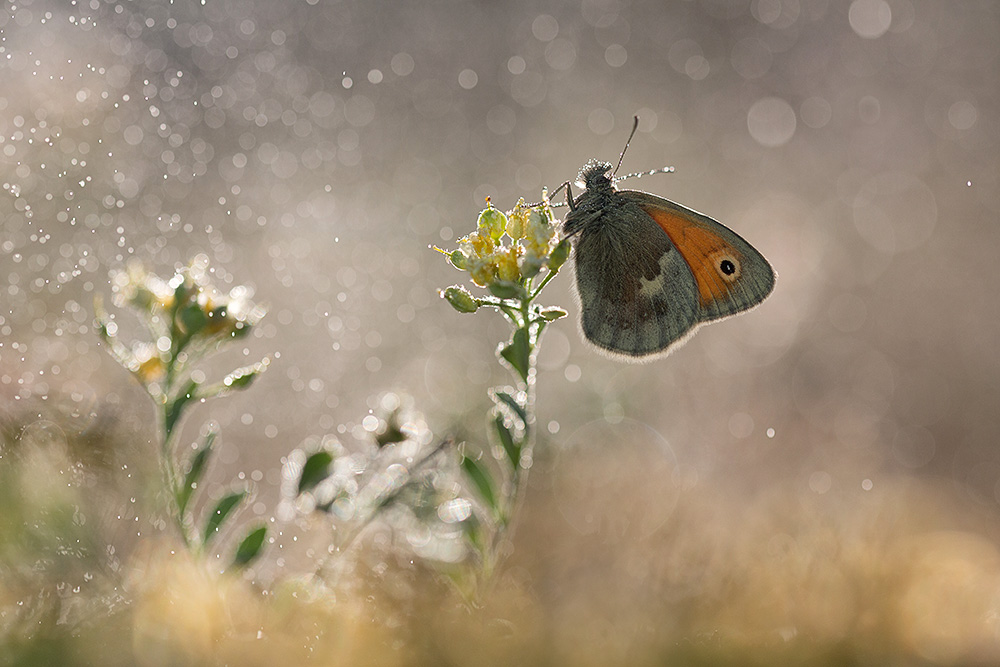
[(596, 175)]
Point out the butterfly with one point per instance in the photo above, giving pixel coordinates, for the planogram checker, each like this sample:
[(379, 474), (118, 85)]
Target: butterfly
[(649, 271)]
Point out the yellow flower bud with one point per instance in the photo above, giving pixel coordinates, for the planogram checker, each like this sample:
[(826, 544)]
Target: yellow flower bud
[(517, 221), (477, 245), (482, 271), (151, 370), (539, 232), (507, 263)]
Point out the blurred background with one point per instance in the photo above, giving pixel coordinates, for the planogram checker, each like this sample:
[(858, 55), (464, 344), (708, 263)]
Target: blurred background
[(816, 481)]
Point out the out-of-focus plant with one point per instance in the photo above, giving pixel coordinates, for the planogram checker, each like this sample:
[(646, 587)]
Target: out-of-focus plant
[(187, 318), (513, 256), (395, 472), (400, 473)]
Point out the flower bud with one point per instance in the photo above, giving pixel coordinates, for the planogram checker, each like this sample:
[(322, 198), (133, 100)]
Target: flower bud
[(492, 223), (458, 260), (477, 245), (507, 268), (539, 232), (517, 221), (460, 299), (482, 271)]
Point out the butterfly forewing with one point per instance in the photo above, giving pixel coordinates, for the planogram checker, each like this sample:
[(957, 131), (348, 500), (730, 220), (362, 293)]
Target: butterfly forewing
[(731, 276)]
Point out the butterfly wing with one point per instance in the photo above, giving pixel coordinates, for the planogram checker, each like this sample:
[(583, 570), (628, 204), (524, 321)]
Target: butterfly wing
[(730, 275), (637, 294)]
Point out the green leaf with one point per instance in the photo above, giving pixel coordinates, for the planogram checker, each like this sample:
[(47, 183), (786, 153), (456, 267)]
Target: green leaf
[(473, 530), (115, 348), (392, 433), (507, 440), (222, 510), (199, 462), (506, 289), (480, 478), (552, 314), (192, 319), (511, 402), (559, 255), (241, 330), (250, 547), (176, 407), (517, 353), (241, 378), (182, 293), (315, 470)]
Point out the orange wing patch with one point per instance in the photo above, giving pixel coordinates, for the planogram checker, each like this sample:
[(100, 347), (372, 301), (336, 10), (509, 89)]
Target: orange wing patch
[(704, 251)]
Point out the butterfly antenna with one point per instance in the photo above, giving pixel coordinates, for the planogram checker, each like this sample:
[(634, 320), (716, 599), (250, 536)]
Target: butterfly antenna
[(640, 174), (635, 126)]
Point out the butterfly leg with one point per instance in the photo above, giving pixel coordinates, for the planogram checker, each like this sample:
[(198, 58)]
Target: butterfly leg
[(569, 195)]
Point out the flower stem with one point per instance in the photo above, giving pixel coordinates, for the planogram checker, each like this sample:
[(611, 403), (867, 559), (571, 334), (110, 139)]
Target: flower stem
[(168, 468)]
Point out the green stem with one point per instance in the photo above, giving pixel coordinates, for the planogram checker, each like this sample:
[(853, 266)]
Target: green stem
[(510, 314), (545, 281), (168, 468), (519, 475)]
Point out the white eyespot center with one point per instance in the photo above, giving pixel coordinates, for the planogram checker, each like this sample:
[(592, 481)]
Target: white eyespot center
[(728, 267)]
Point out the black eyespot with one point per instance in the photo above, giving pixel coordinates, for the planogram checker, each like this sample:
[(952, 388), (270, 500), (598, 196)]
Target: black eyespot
[(727, 267)]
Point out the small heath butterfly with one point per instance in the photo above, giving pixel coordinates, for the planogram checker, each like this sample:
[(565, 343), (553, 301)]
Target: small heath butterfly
[(650, 271)]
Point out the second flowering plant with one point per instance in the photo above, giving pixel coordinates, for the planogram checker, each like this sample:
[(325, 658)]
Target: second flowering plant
[(186, 318)]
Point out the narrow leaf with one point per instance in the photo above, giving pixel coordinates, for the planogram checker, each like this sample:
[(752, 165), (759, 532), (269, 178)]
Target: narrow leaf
[(241, 378), (507, 440), (222, 510), (176, 407), (559, 255), (107, 330), (517, 353), (199, 462), (473, 530), (511, 402), (315, 470), (480, 478), (250, 547), (552, 314)]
